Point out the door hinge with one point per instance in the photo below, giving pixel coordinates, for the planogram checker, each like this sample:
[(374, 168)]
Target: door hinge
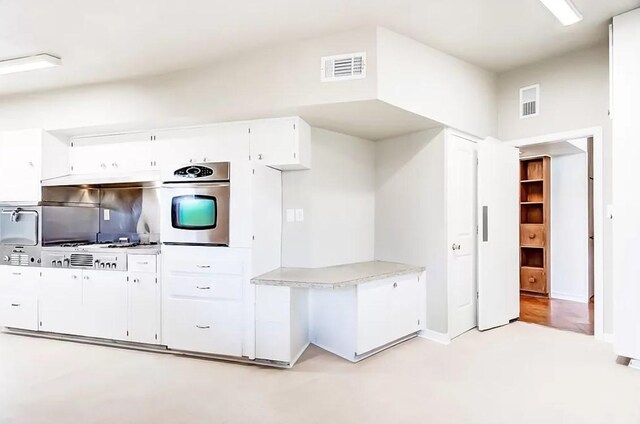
[(72, 144), (294, 126), (294, 155), (156, 280), (127, 332), (40, 323), (253, 237), (418, 322), (156, 336), (477, 295), (249, 130), (127, 278), (72, 167), (253, 171)]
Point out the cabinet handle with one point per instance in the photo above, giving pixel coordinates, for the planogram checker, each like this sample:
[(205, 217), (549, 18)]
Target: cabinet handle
[(75, 277), (532, 236), (86, 277), (136, 280), (260, 156), (143, 263), (103, 165), (455, 246), (114, 164), (202, 327), (16, 273), (395, 285), (532, 280), (203, 287), (203, 266), (30, 164), (15, 304)]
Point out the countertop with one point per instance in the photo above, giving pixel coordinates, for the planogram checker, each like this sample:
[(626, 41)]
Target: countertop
[(335, 276)]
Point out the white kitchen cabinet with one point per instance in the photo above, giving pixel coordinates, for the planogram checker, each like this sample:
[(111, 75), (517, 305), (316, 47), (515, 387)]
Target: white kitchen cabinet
[(60, 301), (26, 159), (202, 288), (282, 143), (105, 304), (143, 308), (215, 143), (19, 297), (117, 153)]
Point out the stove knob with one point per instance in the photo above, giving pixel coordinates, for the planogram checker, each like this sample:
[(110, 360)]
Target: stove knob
[(108, 265), (102, 265), (53, 263), (5, 258), (59, 264), (65, 263), (96, 264)]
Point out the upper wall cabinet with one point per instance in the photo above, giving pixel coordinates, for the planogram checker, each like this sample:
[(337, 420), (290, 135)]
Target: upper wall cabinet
[(29, 156), (283, 143), (113, 153), (215, 143)]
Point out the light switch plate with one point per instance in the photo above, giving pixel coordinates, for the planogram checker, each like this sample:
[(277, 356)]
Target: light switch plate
[(107, 214), (291, 217), (299, 215)]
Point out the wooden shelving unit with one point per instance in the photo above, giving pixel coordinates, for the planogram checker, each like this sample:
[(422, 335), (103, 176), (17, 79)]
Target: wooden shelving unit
[(535, 210)]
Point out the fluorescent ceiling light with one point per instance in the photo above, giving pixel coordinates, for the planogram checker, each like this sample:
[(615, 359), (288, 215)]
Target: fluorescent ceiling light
[(564, 10), (29, 63)]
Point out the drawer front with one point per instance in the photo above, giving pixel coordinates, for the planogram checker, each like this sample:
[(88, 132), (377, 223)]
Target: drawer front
[(203, 260), (203, 326), (141, 263), (204, 286), (532, 235), (16, 280), (19, 312), (387, 310), (533, 280)]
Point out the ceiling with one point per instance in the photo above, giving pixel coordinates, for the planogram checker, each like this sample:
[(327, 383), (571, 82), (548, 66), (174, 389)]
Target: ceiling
[(106, 40)]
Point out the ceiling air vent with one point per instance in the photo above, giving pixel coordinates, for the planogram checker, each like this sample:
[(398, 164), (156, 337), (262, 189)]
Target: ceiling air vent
[(530, 101), (343, 67)]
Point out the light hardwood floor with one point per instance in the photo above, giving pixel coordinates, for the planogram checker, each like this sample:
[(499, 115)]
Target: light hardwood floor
[(520, 373), (556, 313)]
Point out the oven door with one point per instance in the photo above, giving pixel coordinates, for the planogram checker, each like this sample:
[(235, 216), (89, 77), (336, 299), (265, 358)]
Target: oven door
[(195, 213), (19, 227)]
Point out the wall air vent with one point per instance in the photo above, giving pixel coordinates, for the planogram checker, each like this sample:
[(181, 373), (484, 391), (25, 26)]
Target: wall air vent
[(529, 101), (343, 67)]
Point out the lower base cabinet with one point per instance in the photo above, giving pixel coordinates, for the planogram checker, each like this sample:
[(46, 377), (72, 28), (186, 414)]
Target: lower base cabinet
[(143, 313), (60, 301), (105, 305), (19, 297)]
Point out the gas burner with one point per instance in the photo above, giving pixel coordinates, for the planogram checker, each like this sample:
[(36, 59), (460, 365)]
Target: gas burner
[(121, 245), (74, 244)]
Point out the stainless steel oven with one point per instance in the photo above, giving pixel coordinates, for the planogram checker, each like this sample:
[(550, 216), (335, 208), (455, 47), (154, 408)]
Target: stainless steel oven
[(25, 229), (195, 205)]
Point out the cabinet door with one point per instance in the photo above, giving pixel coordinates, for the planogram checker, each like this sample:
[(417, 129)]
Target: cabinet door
[(105, 304), (144, 308), (281, 143), (387, 311), (60, 301), (112, 153), (20, 165)]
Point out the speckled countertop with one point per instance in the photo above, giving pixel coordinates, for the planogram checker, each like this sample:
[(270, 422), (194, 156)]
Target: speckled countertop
[(335, 276)]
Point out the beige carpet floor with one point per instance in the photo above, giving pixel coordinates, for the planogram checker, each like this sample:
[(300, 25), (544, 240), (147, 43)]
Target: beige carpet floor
[(522, 373)]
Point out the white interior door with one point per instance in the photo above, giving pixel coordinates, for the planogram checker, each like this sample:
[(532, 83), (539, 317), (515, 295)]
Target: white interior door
[(462, 233), (498, 262)]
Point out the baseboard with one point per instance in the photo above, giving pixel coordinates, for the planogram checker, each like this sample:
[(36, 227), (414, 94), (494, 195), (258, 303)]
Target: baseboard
[(573, 298), (435, 336), (634, 363)]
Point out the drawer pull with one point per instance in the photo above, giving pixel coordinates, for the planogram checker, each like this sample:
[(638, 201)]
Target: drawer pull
[(395, 285), (532, 236), (16, 273), (143, 263), (15, 304), (532, 280), (203, 287), (203, 266), (202, 327)]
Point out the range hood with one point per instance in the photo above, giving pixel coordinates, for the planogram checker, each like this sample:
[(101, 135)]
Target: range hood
[(139, 178)]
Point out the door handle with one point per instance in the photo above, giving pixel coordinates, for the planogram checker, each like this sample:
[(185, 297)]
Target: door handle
[(203, 287), (455, 247), (203, 266), (202, 327)]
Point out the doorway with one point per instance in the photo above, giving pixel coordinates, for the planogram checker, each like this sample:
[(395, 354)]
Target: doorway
[(572, 262)]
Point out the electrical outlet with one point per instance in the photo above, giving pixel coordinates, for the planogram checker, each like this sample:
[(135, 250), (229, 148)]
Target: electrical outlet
[(107, 214), (291, 217), (299, 215)]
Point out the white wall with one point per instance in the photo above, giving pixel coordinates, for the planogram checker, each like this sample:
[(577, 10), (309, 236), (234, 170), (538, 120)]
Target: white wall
[(574, 94), (410, 225), (338, 198), (433, 84), (569, 228), (258, 84)]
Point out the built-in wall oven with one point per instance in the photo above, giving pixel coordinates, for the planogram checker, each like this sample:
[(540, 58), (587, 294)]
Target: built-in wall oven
[(195, 204), (25, 229)]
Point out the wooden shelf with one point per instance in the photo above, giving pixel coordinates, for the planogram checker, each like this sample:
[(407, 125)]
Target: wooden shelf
[(535, 211)]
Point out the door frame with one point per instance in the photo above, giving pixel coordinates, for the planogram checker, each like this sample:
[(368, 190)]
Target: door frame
[(596, 133)]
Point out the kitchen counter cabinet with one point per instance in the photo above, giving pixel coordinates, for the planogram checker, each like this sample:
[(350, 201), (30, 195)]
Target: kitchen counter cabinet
[(105, 304), (19, 297), (353, 311), (60, 301)]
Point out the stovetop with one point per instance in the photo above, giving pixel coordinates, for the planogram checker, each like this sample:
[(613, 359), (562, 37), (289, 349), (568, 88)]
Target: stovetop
[(84, 245)]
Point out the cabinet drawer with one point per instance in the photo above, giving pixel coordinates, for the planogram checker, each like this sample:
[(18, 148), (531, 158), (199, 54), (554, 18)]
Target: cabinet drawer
[(387, 310), (532, 235), (204, 286), (19, 312), (203, 326), (533, 280), (202, 261), (16, 280), (141, 263)]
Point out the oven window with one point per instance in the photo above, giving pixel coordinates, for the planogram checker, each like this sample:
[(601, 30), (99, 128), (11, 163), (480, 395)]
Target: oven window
[(194, 212)]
